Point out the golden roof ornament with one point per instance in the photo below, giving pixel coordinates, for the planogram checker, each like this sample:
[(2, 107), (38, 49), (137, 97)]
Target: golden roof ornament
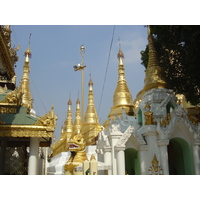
[(7, 34), (154, 75), (25, 85), (49, 119)]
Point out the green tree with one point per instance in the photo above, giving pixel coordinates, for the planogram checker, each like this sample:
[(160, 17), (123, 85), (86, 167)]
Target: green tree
[(178, 50)]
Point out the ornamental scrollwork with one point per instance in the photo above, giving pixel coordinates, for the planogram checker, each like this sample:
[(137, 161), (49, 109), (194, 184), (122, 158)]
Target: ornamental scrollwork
[(48, 119), (14, 97), (122, 141)]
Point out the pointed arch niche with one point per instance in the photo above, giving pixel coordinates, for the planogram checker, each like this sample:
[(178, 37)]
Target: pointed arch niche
[(179, 157)]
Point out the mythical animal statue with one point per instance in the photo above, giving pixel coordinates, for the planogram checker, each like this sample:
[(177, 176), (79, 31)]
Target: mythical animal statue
[(77, 146)]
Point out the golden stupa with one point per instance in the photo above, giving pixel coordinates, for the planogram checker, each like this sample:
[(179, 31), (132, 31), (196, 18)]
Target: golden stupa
[(154, 75), (122, 97)]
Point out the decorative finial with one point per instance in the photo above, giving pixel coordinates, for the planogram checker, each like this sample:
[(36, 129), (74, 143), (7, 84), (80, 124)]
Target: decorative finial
[(119, 43), (154, 161), (90, 82), (69, 101), (27, 53), (120, 53), (78, 101)]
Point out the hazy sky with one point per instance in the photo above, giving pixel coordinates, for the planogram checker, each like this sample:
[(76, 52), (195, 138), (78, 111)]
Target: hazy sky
[(56, 49)]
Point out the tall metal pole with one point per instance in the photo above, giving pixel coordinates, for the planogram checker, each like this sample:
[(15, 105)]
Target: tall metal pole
[(77, 68), (82, 111)]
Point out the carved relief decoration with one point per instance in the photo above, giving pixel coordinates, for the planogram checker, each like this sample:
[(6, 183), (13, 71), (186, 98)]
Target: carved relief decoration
[(48, 119), (22, 132), (9, 110), (155, 169), (178, 114), (14, 97), (124, 138)]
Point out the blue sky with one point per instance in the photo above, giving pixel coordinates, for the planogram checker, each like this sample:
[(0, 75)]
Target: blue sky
[(55, 50)]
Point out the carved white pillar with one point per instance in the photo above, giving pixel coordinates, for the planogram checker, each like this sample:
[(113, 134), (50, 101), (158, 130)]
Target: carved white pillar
[(33, 156), (114, 139), (164, 156), (196, 155), (143, 160), (120, 160), (107, 157), (151, 136)]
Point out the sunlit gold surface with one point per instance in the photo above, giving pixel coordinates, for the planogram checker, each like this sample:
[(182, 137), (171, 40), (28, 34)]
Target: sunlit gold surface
[(77, 121), (148, 115), (122, 97), (154, 74), (91, 126), (62, 144), (68, 124), (154, 77), (25, 85), (78, 153)]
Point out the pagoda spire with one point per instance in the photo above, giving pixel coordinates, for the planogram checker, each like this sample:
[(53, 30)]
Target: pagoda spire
[(122, 97), (68, 124), (25, 84), (154, 74), (77, 121), (91, 126), (91, 115)]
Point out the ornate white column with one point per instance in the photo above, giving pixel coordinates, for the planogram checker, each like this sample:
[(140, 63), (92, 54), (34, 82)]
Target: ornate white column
[(120, 160), (107, 157), (33, 156), (162, 144), (151, 137), (196, 155), (114, 138), (143, 160)]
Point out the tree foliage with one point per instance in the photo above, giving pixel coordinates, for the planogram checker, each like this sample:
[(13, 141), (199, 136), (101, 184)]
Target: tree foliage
[(178, 50)]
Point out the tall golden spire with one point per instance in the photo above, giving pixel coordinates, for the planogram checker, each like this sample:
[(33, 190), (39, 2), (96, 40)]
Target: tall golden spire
[(122, 97), (77, 121), (68, 124), (25, 85), (154, 74), (91, 126)]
